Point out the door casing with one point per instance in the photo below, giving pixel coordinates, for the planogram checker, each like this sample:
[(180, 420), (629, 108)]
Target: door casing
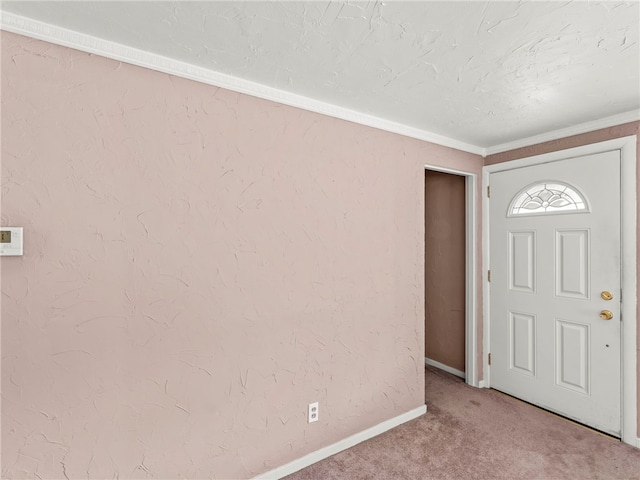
[(627, 147)]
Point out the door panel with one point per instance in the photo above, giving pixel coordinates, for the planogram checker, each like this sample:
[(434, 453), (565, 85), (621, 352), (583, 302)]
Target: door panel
[(522, 264), (572, 263), (523, 343), (572, 353), (549, 265)]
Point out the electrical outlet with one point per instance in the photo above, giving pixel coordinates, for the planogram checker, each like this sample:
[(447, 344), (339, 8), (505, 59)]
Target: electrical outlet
[(313, 412)]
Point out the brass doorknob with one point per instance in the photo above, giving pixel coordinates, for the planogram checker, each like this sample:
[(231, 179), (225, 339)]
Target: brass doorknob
[(606, 314), (606, 295)]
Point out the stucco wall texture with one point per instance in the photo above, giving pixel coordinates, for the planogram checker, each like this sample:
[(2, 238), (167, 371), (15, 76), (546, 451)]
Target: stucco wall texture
[(199, 265)]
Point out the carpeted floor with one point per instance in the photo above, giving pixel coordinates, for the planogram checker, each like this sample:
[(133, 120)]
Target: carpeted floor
[(470, 433)]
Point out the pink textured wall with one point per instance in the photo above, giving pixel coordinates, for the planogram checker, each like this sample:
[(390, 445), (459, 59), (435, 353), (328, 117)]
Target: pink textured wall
[(199, 266), (576, 141)]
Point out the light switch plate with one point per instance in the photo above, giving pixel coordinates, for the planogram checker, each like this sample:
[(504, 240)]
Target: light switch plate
[(10, 241)]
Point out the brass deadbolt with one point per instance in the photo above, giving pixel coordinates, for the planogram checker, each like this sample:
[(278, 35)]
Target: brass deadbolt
[(606, 295)]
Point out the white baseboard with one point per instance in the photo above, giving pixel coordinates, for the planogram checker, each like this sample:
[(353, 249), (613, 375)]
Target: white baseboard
[(337, 447), (482, 384), (638, 442), (446, 368)]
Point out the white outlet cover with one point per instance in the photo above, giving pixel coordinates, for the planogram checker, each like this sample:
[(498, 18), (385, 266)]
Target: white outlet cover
[(313, 412)]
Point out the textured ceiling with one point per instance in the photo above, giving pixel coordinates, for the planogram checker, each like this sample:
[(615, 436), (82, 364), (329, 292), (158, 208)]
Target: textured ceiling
[(484, 73)]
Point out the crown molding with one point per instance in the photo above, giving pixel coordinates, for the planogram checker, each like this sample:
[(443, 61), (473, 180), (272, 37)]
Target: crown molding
[(606, 122), (87, 43)]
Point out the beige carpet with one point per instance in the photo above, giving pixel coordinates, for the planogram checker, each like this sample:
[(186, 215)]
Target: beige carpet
[(471, 433)]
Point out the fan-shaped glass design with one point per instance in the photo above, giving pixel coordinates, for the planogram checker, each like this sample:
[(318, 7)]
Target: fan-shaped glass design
[(548, 197)]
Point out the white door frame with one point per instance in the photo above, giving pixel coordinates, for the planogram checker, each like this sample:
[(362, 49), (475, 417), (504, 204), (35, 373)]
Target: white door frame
[(627, 147), (471, 227)]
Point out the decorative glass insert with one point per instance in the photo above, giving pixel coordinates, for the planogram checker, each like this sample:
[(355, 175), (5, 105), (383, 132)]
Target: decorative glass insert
[(547, 197)]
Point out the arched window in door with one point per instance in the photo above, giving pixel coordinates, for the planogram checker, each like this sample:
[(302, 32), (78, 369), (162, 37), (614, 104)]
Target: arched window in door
[(548, 197)]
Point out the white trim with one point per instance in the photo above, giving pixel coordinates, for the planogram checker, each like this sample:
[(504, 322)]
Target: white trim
[(341, 445), (638, 442), (627, 147), (452, 171), (87, 43), (471, 249), (471, 307), (486, 285), (446, 368), (613, 120), (628, 259)]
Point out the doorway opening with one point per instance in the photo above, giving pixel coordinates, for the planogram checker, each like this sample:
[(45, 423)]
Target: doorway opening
[(450, 226)]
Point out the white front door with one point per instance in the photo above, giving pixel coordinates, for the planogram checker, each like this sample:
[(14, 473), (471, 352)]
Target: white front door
[(555, 269)]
